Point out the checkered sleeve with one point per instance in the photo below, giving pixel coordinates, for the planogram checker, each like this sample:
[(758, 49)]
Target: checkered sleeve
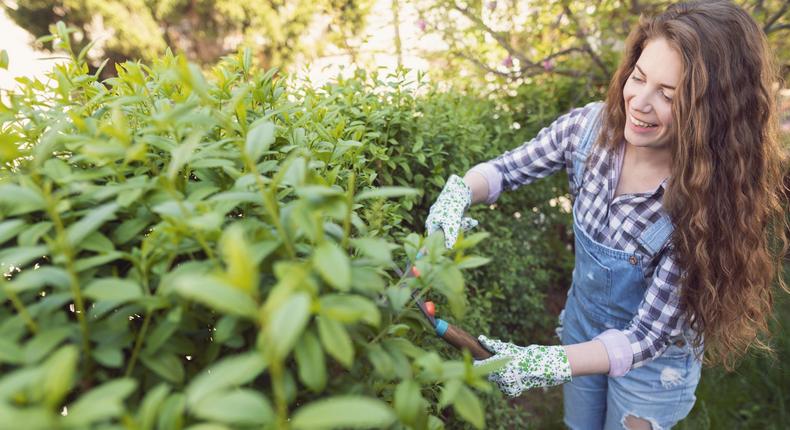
[(659, 317), (549, 151)]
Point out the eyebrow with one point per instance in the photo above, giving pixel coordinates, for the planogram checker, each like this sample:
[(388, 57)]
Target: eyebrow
[(644, 74)]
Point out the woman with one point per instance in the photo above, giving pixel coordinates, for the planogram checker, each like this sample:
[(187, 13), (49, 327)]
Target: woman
[(677, 186)]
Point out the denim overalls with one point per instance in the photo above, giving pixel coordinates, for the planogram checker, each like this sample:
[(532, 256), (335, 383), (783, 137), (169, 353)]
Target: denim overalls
[(608, 286)]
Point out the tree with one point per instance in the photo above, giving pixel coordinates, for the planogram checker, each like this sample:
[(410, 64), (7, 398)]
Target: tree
[(204, 30), (513, 42)]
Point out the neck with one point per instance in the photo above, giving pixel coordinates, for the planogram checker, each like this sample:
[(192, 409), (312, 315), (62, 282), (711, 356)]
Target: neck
[(652, 159)]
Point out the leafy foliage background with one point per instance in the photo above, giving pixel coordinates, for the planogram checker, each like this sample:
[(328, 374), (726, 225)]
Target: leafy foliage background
[(172, 223)]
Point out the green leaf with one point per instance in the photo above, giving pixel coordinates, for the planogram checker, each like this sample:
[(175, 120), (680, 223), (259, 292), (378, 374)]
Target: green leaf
[(129, 229), (377, 249), (343, 411), (350, 308), (166, 365), (4, 59), (108, 356), (20, 256), (386, 193), (78, 231), (163, 331), (10, 352), (259, 138), (32, 235), (366, 279), (171, 413), (381, 361), (471, 240), (230, 372), (287, 323), (468, 406), (215, 294), (36, 279), (491, 366), (17, 200), (449, 392), (150, 405), (59, 370), (336, 341), (102, 402), (242, 271), (451, 284), (114, 289), (408, 401), (97, 242), (398, 296), (472, 262), (241, 406), (11, 228), (333, 265), (84, 264), (310, 362), (182, 154), (44, 342), (317, 192)]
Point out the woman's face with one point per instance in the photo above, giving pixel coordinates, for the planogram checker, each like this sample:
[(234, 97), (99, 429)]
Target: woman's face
[(648, 94)]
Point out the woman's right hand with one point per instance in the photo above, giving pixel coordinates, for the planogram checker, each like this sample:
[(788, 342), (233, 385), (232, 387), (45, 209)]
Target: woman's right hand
[(447, 212)]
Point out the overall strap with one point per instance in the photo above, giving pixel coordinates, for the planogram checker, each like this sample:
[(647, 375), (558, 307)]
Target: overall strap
[(589, 134), (655, 236)]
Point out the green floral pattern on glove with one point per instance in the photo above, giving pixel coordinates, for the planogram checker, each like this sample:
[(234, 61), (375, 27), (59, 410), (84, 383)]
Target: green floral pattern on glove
[(447, 213), (531, 366)]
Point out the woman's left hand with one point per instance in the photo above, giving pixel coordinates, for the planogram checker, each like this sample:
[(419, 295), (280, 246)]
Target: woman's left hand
[(531, 366)]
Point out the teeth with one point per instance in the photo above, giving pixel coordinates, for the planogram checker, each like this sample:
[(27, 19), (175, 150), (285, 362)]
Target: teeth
[(640, 123)]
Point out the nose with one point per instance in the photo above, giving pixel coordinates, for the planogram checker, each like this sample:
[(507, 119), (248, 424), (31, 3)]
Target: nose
[(641, 101)]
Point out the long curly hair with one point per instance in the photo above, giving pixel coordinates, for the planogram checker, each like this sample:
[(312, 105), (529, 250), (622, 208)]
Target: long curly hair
[(726, 194)]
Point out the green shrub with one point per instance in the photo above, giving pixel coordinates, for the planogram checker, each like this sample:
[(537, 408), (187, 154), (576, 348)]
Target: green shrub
[(181, 250)]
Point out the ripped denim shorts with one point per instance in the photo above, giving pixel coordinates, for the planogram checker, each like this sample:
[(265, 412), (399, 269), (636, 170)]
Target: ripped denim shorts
[(660, 392)]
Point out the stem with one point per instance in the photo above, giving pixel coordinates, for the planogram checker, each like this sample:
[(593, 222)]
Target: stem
[(408, 305), (79, 305), (138, 344), (352, 183), (270, 205), (279, 393), (20, 308), (143, 269)]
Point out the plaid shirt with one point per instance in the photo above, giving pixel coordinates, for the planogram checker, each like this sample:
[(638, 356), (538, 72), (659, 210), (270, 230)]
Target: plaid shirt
[(614, 222)]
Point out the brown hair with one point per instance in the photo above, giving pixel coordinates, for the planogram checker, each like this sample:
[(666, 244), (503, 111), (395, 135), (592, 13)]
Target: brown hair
[(726, 189)]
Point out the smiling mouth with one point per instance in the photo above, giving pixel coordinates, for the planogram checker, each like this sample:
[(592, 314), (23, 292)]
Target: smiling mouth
[(641, 123)]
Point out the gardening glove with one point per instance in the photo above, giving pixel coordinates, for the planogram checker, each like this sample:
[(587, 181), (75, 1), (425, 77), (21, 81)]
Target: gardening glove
[(529, 367), (447, 212)]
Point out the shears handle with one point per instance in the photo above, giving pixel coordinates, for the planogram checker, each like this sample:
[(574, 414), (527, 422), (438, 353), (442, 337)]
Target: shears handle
[(461, 339), (454, 335)]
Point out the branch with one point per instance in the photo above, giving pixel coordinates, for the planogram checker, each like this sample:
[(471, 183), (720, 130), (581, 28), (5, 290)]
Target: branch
[(781, 27), (775, 17), (484, 66), (582, 36), (497, 36), (529, 68)]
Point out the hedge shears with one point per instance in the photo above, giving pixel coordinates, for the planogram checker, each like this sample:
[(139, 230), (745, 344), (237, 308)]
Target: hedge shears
[(452, 334)]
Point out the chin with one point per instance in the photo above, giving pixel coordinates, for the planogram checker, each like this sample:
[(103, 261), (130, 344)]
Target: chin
[(645, 142)]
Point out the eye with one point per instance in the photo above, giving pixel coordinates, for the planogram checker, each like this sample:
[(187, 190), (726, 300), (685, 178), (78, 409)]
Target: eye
[(665, 96), (636, 78)]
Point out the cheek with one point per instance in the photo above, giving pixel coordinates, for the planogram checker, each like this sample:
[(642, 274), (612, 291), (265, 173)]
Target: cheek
[(666, 116), (628, 90)]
